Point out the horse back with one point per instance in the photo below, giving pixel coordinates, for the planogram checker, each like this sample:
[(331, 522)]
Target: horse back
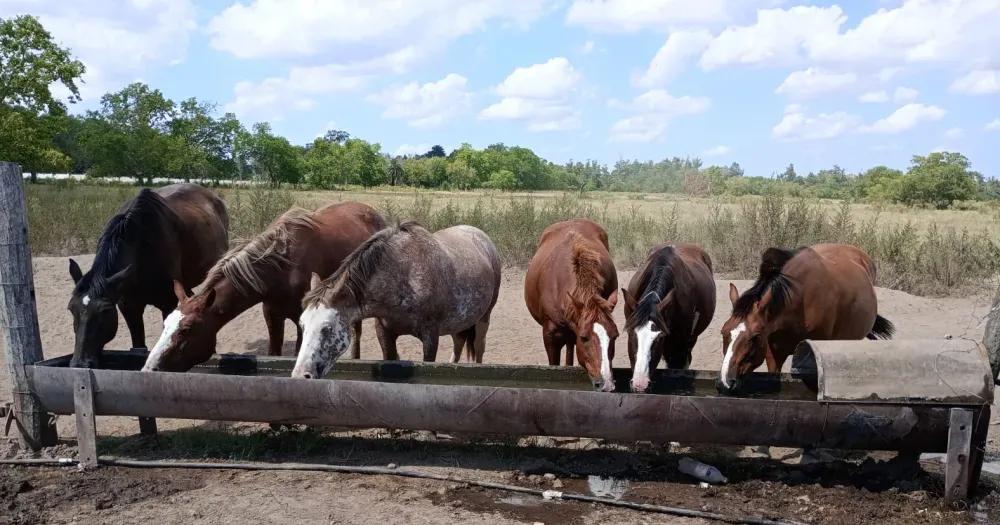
[(837, 286), (340, 229), (201, 225)]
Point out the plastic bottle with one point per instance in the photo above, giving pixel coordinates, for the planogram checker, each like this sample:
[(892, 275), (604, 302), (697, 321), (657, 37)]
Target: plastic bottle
[(701, 471)]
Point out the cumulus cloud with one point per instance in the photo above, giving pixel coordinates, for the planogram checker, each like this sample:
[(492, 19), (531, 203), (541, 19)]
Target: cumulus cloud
[(797, 125), (905, 94), (954, 133), (979, 82), (716, 151), (815, 81), (677, 52), (993, 125), (587, 47), (272, 97), (538, 95), (425, 105), (628, 16), (652, 112), (905, 118), (874, 97)]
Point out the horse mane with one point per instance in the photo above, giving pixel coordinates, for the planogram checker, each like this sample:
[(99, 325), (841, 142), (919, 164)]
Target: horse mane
[(660, 278), (136, 224), (243, 264), (587, 266), (359, 267), (770, 279)]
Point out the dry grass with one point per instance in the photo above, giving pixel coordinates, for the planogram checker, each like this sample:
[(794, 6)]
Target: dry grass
[(920, 251)]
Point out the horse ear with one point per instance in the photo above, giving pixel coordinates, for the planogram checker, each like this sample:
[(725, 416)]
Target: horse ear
[(209, 297), (629, 299), (613, 299), (315, 281), (734, 294), (665, 302), (75, 272), (180, 292)]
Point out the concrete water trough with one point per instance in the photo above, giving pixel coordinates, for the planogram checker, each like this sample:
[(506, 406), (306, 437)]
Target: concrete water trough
[(825, 404)]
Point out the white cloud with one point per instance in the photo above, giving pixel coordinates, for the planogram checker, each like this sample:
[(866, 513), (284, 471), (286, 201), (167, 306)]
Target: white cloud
[(272, 97), (874, 97), (587, 47), (954, 133), (905, 118), (815, 81), (627, 16), (344, 31), (979, 82), (677, 52), (905, 94), (117, 41), (716, 151), (412, 149), (539, 95), (653, 110), (993, 125), (425, 105), (796, 125)]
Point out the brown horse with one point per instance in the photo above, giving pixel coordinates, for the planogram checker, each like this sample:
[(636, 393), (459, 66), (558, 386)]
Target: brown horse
[(413, 282), (669, 302), (172, 234), (274, 269), (571, 288), (826, 291)]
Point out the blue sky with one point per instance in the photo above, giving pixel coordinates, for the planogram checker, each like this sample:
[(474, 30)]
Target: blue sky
[(759, 82)]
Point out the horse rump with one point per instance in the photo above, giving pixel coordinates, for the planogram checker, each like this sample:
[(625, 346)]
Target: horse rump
[(883, 329)]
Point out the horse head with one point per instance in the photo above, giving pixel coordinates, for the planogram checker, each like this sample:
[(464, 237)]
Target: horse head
[(326, 333), (744, 341), (596, 333), (648, 323), (95, 319), (188, 336)]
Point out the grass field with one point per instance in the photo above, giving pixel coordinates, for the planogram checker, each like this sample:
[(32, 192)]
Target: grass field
[(921, 251)]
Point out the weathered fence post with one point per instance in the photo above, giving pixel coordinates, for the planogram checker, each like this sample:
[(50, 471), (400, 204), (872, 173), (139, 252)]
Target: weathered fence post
[(18, 314), (991, 339)]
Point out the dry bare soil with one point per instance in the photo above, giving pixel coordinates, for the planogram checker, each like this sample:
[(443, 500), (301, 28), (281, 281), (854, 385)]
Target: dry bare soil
[(856, 491)]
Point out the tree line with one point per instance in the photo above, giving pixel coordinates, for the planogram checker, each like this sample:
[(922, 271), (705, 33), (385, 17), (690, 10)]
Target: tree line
[(138, 132)]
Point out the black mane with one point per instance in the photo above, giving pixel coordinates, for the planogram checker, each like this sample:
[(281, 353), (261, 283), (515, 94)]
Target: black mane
[(660, 279), (770, 279), (140, 225)]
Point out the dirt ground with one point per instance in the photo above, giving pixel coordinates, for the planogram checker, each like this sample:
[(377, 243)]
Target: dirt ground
[(854, 491)]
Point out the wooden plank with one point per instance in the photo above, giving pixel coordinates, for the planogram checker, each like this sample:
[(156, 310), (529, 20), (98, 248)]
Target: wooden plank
[(86, 426), (147, 426), (18, 313), (957, 471)]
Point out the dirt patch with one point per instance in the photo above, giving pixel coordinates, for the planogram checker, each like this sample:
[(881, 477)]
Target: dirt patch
[(519, 507)]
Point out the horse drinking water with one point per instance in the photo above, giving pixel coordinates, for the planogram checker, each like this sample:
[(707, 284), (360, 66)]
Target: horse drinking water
[(571, 288), (170, 235), (669, 302), (274, 269), (823, 292), (415, 283)]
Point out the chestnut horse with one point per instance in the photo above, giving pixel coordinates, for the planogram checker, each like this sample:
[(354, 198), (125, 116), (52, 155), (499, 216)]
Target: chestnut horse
[(414, 283), (274, 269), (669, 302), (171, 234), (571, 288), (823, 292)]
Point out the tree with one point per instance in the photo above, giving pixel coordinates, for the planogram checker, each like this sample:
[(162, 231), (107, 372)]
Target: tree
[(266, 156), (938, 180), (789, 174), (461, 175), (435, 151), (502, 180), (396, 172), (880, 183), (336, 136), (30, 116), (204, 145)]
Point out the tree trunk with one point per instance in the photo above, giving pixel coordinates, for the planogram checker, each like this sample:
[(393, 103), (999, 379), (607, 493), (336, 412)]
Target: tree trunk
[(991, 339)]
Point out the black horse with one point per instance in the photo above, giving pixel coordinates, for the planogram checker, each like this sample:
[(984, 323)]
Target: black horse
[(173, 233)]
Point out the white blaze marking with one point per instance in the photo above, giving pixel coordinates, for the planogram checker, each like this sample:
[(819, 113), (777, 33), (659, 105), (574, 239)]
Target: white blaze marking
[(645, 336), (316, 352), (733, 335), (86, 300), (170, 325), (605, 341)]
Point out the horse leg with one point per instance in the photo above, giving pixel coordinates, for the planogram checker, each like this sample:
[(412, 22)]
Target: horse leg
[(459, 341), (387, 340), (356, 340), (479, 341), (133, 319), (275, 329), (570, 353), (430, 341), (553, 345)]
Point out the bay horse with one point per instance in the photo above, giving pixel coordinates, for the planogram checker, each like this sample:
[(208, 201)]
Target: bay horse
[(414, 283), (173, 234), (571, 289), (669, 302), (826, 291), (273, 268)]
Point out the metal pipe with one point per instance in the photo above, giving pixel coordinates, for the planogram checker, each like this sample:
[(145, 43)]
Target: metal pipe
[(350, 469)]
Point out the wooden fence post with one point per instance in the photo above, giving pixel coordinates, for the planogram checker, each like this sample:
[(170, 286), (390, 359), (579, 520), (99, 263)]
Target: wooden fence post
[(18, 314)]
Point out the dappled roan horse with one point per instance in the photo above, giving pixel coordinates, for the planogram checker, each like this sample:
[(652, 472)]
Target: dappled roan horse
[(170, 235), (571, 289), (274, 268), (823, 292), (414, 283), (669, 302)]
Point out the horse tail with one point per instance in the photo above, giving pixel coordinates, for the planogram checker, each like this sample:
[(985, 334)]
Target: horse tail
[(470, 344), (883, 329)]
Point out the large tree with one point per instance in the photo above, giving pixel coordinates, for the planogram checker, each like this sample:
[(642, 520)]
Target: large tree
[(267, 156), (30, 115), (939, 179)]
